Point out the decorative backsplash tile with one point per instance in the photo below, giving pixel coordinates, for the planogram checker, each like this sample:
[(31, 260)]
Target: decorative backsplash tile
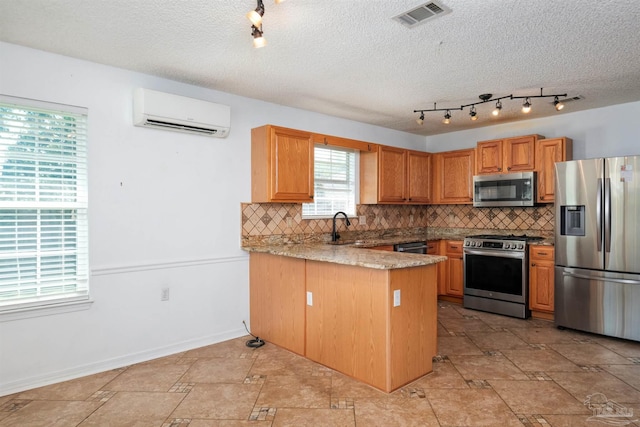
[(284, 220)]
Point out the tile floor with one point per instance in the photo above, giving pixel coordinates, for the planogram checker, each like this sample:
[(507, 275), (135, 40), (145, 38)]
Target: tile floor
[(490, 371)]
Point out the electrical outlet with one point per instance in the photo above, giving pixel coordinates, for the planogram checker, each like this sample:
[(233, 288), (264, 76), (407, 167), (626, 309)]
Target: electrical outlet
[(396, 298), (362, 220), (164, 294), (309, 298)]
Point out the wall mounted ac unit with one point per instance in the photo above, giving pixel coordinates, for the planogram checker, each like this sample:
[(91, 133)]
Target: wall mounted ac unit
[(179, 113)]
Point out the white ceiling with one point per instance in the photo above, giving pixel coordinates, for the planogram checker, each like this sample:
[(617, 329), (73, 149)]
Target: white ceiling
[(350, 59)]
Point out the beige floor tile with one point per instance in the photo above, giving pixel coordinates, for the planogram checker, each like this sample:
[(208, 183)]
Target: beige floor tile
[(448, 312), (537, 397), (234, 348), (624, 348), (486, 367), (471, 407), (581, 385), (498, 321), (572, 421), (344, 386), (463, 325), (451, 345), (503, 340), (630, 374), (228, 423), (50, 414), (218, 370), (394, 411), (444, 376), (134, 409), (590, 354), (287, 417), (540, 360), (295, 392), (282, 363), (545, 335), (147, 377), (78, 389), (218, 401)]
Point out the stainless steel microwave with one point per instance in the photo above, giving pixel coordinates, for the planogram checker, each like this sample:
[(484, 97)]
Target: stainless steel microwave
[(510, 189)]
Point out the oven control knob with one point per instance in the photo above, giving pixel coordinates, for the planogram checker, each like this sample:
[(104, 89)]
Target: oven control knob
[(507, 245), (520, 246), (467, 243)]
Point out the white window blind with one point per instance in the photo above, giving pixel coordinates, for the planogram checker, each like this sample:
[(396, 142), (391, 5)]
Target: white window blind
[(335, 184), (43, 204)]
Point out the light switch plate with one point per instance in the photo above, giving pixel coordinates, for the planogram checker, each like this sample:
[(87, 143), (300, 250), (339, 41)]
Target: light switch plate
[(309, 298), (396, 298)]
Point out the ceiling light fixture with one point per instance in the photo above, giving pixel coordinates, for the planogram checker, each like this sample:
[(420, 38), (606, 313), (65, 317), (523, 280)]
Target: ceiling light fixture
[(420, 120), (255, 16), (258, 38), (487, 97), (473, 114)]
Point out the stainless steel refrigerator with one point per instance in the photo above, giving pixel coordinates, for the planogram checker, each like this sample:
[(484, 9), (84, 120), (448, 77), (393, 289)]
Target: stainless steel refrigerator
[(597, 246)]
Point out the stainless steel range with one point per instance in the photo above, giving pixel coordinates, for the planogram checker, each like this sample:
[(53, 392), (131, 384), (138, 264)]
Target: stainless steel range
[(496, 274)]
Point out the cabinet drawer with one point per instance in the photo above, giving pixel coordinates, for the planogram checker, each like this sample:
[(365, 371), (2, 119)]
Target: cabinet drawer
[(432, 247), (454, 246), (542, 252)]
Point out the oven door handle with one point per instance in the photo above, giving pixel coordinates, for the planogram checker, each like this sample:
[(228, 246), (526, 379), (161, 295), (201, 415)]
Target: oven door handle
[(489, 252)]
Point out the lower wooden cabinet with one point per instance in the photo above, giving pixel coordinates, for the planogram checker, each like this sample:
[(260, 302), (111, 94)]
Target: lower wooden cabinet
[(541, 280), (455, 269)]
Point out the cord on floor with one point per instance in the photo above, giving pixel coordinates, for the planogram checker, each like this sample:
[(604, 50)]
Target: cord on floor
[(254, 343)]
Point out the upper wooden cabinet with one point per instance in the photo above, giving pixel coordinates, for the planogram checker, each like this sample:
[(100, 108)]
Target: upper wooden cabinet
[(507, 155), (548, 152), (395, 175), (454, 177), (281, 165)]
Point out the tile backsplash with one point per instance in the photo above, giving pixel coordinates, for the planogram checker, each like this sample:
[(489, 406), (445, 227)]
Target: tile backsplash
[(261, 221)]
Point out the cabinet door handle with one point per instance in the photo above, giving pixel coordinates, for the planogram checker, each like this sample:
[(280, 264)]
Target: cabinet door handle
[(533, 264), (499, 169), (542, 253), (509, 168), (311, 196)]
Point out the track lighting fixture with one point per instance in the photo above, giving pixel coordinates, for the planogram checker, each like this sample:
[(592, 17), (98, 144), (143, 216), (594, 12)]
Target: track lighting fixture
[(258, 38), (255, 16), (487, 97), (472, 113), (496, 111)]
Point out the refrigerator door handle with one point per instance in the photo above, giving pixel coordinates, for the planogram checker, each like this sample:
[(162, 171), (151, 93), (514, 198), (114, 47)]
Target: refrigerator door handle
[(599, 214), (607, 214), (603, 279)]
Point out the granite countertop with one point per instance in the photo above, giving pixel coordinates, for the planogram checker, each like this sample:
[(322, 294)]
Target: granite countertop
[(356, 254)]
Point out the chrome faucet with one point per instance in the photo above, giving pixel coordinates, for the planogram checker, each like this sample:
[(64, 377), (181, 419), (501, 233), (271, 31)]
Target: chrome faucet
[(334, 235)]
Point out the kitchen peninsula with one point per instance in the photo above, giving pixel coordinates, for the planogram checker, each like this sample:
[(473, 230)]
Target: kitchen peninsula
[(369, 314)]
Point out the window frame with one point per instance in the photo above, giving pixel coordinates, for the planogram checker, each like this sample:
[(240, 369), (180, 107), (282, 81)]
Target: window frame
[(79, 298)]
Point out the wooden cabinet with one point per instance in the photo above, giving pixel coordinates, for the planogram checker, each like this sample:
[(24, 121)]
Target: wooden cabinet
[(281, 165), (383, 248), (548, 152), (277, 298), (355, 327), (455, 269), (541, 279), (507, 155), (395, 175), (454, 177)]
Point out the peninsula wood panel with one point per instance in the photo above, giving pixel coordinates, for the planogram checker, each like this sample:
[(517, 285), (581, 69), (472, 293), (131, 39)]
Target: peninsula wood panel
[(348, 323), (413, 335), (277, 300)]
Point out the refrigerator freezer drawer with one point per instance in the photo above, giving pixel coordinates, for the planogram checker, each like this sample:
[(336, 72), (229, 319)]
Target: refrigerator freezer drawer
[(597, 301)]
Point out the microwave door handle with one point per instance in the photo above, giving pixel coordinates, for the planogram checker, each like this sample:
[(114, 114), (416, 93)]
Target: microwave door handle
[(607, 214), (599, 214)]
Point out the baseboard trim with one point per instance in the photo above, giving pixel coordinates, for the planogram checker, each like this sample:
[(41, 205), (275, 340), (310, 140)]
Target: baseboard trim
[(115, 363)]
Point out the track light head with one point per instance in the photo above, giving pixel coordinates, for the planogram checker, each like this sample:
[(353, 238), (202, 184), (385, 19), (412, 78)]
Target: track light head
[(255, 16), (447, 118), (526, 106), (420, 120), (496, 111), (557, 104), (258, 39), (473, 114)]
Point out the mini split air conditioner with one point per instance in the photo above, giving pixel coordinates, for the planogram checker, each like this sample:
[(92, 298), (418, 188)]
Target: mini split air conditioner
[(180, 114)]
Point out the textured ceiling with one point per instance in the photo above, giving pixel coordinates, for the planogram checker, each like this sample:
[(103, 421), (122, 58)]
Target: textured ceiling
[(350, 59)]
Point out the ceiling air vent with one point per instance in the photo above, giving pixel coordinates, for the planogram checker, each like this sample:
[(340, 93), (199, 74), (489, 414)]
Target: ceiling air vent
[(421, 14), (571, 99)]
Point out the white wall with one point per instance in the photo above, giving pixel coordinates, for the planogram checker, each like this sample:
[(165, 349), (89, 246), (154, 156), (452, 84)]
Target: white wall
[(164, 211), (601, 132)]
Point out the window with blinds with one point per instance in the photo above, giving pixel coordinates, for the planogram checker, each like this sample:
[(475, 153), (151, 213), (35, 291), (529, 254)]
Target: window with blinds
[(43, 204), (335, 183)]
